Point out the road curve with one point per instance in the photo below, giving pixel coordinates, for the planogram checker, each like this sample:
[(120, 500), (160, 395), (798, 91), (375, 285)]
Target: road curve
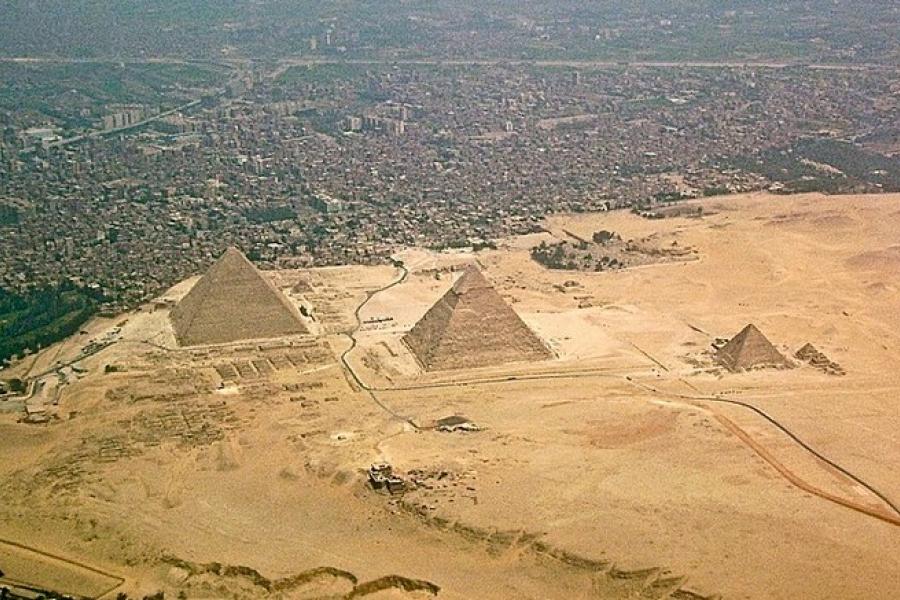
[(353, 343)]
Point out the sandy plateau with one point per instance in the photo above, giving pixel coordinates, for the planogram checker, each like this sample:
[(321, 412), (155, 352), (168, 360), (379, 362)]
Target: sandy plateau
[(628, 465)]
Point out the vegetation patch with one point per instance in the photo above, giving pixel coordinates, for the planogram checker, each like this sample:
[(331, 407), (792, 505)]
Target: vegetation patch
[(42, 317), (9, 215), (825, 165), (606, 251), (270, 214)]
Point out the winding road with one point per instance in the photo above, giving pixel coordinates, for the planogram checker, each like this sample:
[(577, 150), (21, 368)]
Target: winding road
[(892, 517), (404, 273)]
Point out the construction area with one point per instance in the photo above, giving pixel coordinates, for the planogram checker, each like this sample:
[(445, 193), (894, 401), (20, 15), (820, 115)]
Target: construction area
[(478, 425)]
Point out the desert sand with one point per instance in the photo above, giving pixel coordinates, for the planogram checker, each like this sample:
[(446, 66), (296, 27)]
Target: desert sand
[(627, 463)]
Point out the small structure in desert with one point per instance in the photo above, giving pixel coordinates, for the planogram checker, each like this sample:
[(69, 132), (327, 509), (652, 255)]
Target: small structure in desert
[(472, 326), (233, 301), (811, 354), (382, 478), (455, 423), (748, 350)]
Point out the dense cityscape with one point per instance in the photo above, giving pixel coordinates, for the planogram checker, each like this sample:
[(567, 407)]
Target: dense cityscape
[(332, 164), (124, 169), (674, 30), (452, 299)]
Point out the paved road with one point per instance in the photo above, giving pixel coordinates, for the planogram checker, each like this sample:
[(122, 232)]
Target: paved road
[(353, 343), (893, 517), (597, 64), (105, 132)]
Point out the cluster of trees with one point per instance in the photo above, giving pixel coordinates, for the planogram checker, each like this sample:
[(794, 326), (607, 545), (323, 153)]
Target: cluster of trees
[(156, 596), (606, 237), (269, 214), (463, 242), (42, 316), (9, 215), (855, 169), (571, 257), (16, 386), (855, 162), (47, 595), (552, 256), (6, 594)]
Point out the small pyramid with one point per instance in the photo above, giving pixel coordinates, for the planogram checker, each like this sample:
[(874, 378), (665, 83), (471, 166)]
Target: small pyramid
[(750, 349), (233, 301), (472, 326), (806, 352)]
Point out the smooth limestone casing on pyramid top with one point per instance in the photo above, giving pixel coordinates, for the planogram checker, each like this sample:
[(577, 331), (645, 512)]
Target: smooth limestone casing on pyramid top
[(233, 301), (472, 326)]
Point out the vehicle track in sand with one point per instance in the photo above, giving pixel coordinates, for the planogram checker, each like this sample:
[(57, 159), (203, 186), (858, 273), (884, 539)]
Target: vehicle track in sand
[(892, 517), (117, 579)]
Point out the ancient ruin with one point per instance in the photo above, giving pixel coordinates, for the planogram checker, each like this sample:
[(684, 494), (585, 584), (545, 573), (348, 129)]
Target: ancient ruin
[(233, 301), (607, 251), (472, 326), (332, 464), (750, 349), (812, 355)]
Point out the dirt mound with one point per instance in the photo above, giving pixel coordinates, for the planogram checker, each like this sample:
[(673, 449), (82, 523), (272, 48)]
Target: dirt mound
[(750, 349), (303, 286), (877, 260), (232, 302), (472, 326), (396, 584), (617, 433)]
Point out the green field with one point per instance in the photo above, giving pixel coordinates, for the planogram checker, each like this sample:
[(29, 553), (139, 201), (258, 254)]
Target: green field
[(41, 317), (850, 168)]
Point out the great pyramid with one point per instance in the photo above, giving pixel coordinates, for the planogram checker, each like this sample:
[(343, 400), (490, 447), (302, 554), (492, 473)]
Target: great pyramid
[(750, 349), (472, 326), (232, 302)]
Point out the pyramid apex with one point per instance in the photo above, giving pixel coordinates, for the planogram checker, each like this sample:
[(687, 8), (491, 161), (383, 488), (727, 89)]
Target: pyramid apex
[(471, 279), (232, 252)]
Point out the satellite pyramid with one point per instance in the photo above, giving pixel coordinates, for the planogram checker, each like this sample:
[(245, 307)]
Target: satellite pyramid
[(231, 302), (750, 349), (472, 326), (807, 351)]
